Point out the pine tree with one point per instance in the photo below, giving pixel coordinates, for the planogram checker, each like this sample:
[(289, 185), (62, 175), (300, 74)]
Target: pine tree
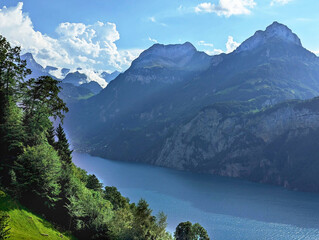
[(62, 146), (40, 102), (12, 72), (51, 136), (94, 183)]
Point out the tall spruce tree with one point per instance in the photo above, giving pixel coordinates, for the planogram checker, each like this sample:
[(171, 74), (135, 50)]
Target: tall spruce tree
[(12, 72), (62, 146), (51, 136)]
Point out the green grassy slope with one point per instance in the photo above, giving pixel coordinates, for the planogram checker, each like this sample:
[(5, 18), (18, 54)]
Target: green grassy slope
[(27, 226)]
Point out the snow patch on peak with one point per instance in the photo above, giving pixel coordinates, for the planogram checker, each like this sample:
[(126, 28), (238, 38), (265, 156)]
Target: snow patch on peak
[(274, 31)]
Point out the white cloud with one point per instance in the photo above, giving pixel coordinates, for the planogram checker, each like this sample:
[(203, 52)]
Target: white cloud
[(203, 43), (231, 45), (152, 40), (77, 45), (281, 2), (214, 51), (154, 20), (227, 7), (94, 76)]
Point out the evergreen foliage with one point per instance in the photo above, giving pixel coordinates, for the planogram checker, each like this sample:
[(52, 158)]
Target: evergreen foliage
[(38, 170), (93, 183), (62, 146), (114, 196), (188, 231), (51, 136)]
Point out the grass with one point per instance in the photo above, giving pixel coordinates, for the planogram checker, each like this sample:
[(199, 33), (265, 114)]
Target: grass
[(84, 97), (28, 226)]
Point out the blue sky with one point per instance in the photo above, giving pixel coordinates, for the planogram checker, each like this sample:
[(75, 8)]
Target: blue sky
[(109, 34)]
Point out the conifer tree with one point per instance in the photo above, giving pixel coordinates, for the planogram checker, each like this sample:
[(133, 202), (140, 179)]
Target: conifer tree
[(51, 136), (62, 146), (12, 72), (40, 102)]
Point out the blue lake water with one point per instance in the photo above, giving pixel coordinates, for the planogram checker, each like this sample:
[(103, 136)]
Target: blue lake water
[(230, 209)]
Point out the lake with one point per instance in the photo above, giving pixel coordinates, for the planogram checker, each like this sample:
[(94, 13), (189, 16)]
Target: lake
[(230, 209)]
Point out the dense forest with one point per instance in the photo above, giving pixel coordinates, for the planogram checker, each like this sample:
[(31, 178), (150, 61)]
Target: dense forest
[(36, 167)]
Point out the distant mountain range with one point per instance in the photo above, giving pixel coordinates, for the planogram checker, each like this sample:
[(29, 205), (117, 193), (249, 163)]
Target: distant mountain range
[(252, 113), (75, 85)]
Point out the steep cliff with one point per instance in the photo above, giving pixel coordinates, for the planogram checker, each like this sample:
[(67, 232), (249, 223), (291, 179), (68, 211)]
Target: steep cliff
[(278, 145)]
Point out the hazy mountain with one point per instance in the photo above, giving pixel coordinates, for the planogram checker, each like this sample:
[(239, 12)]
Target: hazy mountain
[(71, 94), (93, 86), (76, 78), (139, 115), (36, 68), (108, 77), (50, 68), (65, 71)]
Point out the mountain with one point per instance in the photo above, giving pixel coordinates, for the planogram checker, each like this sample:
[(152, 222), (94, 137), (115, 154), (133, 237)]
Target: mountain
[(65, 71), (93, 86), (108, 77), (146, 113), (76, 78), (70, 93), (36, 68), (278, 145), (50, 68), (275, 31)]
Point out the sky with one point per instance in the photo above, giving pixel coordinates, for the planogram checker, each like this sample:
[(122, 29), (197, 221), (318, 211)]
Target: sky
[(109, 34)]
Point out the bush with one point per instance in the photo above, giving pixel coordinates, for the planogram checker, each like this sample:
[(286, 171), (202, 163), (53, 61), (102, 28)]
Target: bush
[(38, 171)]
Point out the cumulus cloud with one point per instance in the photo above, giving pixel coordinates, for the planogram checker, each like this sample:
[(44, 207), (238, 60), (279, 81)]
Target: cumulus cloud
[(230, 45), (227, 7), (281, 2), (77, 45)]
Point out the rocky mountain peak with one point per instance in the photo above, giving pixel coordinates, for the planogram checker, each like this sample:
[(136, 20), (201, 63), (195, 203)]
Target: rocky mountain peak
[(169, 51), (171, 56), (28, 56), (274, 31)]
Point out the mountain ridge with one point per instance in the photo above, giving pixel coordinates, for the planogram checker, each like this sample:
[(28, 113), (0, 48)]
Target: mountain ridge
[(134, 116)]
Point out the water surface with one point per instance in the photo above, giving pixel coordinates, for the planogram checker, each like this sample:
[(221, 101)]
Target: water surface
[(230, 209)]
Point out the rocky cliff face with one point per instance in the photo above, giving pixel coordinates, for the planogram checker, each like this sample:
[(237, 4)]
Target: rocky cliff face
[(259, 146)]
